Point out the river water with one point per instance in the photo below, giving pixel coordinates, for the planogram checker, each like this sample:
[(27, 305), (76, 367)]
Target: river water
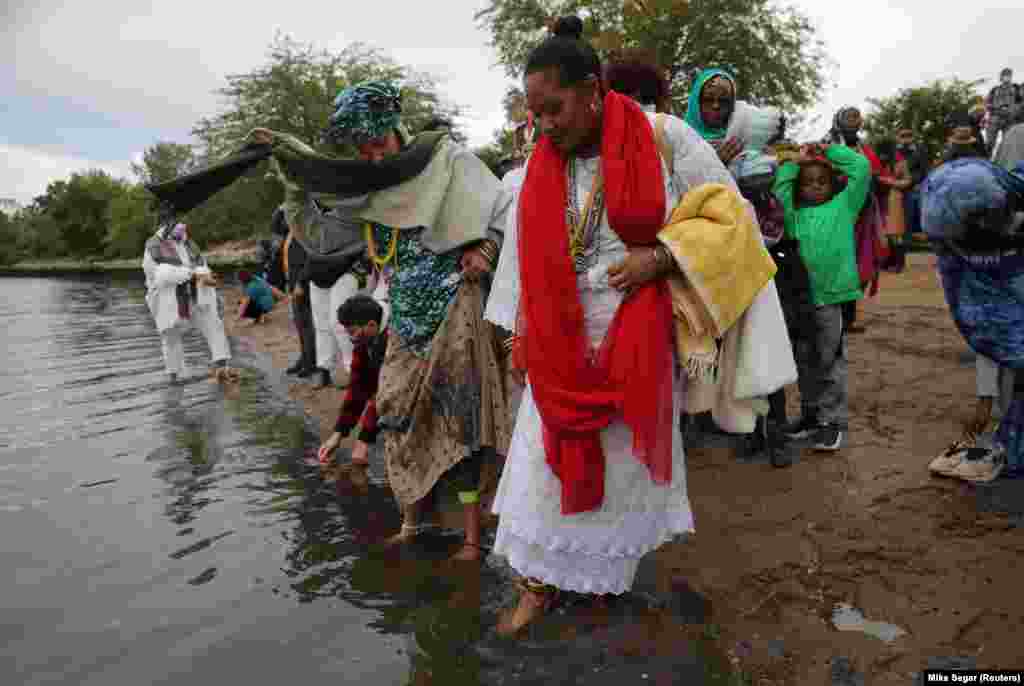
[(154, 533)]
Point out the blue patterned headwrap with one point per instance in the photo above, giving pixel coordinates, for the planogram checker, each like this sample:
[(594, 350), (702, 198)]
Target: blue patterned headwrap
[(969, 193), (368, 110)]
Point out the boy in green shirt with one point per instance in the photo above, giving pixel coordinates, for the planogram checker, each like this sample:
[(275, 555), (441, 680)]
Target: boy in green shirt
[(820, 213)]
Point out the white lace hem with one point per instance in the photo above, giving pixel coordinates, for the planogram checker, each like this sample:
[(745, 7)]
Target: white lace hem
[(633, 536), (571, 571)]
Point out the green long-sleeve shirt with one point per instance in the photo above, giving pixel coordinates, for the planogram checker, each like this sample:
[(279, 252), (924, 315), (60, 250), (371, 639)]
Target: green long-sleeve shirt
[(825, 231)]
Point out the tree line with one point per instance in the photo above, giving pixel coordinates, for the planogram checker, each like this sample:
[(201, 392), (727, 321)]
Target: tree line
[(773, 50)]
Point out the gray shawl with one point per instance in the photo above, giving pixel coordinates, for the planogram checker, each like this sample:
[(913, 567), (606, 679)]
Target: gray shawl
[(452, 199)]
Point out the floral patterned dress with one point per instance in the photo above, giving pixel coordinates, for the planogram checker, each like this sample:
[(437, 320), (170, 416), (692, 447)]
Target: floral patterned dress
[(421, 288), (442, 398)]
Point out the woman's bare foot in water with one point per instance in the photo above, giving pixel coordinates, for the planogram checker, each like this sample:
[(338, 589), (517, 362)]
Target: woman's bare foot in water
[(532, 606), (467, 552), (405, 536), (599, 611), (411, 528)]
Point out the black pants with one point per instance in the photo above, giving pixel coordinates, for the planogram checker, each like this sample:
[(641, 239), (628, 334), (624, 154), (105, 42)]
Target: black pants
[(849, 314), (303, 313)]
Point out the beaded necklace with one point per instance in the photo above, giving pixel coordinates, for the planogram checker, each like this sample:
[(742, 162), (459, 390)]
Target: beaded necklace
[(581, 228), (371, 247)]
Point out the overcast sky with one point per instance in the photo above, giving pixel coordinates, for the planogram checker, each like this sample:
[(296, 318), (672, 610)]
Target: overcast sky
[(92, 84)]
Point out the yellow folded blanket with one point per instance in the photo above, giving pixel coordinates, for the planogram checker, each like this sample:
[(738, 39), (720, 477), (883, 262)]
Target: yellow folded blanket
[(724, 265)]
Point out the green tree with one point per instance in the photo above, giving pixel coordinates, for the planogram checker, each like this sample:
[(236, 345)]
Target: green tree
[(239, 212), (293, 92), (80, 207), (923, 109), (8, 240), (38, 235), (774, 51), (164, 161), (131, 222), (502, 145)]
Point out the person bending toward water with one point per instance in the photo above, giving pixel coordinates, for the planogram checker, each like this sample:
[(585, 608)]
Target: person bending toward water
[(441, 400), (362, 318), (258, 298), (971, 210), (820, 216), (181, 295)]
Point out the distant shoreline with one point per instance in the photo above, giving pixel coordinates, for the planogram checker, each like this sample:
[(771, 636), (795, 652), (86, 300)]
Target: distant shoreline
[(71, 267)]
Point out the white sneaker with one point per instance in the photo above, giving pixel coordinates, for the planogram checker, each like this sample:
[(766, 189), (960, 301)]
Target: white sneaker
[(950, 458), (983, 468)]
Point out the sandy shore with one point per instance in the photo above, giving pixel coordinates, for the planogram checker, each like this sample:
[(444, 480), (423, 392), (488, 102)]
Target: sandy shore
[(777, 550)]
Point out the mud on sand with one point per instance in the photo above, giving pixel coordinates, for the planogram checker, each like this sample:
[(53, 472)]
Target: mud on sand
[(778, 549)]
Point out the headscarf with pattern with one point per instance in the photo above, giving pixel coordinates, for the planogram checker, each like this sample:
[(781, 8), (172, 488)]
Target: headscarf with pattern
[(368, 110)]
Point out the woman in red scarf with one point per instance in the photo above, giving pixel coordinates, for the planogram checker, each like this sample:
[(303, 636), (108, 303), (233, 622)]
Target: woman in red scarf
[(595, 476)]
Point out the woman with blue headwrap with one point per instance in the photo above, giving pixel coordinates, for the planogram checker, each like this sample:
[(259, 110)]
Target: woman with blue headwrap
[(972, 211), (441, 403)]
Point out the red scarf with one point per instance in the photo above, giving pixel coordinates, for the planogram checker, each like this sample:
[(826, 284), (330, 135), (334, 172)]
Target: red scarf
[(578, 390)]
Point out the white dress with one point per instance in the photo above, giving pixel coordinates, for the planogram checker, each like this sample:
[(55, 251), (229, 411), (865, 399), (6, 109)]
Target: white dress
[(596, 551), (161, 282)]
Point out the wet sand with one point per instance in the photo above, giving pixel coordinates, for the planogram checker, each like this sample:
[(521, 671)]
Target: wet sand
[(777, 550)]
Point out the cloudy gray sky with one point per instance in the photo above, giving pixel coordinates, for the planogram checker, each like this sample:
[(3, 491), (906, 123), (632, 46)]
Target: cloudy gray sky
[(92, 84)]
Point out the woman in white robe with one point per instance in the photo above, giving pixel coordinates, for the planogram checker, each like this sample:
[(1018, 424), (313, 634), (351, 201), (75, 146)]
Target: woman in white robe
[(181, 297), (597, 551)]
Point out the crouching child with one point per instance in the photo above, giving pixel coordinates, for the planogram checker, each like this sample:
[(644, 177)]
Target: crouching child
[(258, 299), (361, 316)]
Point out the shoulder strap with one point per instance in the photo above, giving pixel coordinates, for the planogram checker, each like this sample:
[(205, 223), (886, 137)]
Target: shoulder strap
[(664, 146)]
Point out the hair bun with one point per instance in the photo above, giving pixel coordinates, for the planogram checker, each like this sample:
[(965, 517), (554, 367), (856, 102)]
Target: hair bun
[(568, 27)]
